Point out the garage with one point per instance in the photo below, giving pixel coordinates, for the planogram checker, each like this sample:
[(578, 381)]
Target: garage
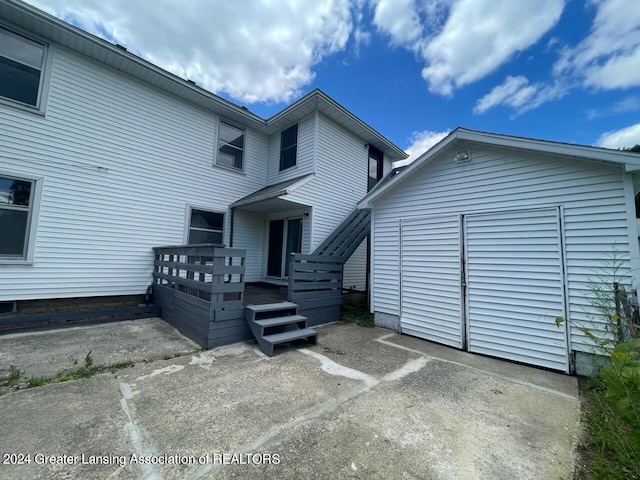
[(485, 240), (512, 266)]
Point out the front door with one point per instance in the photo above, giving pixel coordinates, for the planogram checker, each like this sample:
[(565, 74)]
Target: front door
[(285, 238)]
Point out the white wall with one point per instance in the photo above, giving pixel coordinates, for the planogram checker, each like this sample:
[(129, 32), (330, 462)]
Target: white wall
[(355, 269), (120, 162), (250, 233), (592, 196), (305, 153), (340, 178)]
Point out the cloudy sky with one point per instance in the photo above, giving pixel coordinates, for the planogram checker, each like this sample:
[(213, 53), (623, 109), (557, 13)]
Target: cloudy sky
[(566, 70)]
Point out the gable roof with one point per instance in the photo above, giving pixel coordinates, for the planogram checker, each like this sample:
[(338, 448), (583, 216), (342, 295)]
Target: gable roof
[(630, 161), (55, 30)]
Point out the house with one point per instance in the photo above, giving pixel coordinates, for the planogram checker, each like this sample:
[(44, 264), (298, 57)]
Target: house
[(104, 156), (484, 240)]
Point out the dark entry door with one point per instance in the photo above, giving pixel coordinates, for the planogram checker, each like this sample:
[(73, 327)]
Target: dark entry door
[(274, 260)]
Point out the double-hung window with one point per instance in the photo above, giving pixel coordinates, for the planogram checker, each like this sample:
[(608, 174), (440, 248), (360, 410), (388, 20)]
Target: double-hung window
[(288, 147), (205, 227), (22, 62), (230, 146), (16, 212)]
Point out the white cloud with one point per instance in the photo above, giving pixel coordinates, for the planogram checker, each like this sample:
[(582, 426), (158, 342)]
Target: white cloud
[(627, 104), (399, 19), (253, 53), (626, 137), (609, 57), (519, 94), (420, 143), (477, 37)]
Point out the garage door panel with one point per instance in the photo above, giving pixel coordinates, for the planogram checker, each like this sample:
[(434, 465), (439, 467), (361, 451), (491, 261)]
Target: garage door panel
[(513, 331), (520, 285), (430, 277), (518, 321), (531, 358), (513, 304), (516, 345), (515, 287)]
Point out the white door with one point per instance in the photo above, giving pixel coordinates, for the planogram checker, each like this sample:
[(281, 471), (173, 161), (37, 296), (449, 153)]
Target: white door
[(430, 279), (514, 276)]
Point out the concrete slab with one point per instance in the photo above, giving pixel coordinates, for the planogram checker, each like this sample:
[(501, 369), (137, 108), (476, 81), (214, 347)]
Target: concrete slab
[(45, 353), (361, 404)]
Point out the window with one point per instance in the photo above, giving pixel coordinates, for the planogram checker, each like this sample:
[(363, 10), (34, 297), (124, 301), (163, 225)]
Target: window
[(16, 208), (376, 167), (21, 67), (288, 147), (230, 146), (205, 227)]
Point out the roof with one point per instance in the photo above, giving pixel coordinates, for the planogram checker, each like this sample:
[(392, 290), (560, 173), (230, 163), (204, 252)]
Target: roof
[(273, 191), (55, 30), (629, 160)]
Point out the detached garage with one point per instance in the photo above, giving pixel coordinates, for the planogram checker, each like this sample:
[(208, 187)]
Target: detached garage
[(483, 241)]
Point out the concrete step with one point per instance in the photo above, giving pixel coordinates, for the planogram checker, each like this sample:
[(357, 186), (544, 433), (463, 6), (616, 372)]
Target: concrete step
[(290, 336), (285, 320)]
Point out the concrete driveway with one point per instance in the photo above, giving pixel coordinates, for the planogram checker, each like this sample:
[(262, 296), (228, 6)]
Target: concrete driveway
[(363, 403)]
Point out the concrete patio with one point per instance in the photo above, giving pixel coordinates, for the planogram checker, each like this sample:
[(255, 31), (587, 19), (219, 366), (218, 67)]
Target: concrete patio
[(363, 403)]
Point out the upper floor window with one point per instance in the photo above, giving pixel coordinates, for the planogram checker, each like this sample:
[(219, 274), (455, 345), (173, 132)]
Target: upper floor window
[(21, 68), (205, 227), (288, 147), (376, 167), (16, 207), (230, 146)]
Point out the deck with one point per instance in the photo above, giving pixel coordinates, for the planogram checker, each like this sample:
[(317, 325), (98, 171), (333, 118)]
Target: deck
[(263, 293)]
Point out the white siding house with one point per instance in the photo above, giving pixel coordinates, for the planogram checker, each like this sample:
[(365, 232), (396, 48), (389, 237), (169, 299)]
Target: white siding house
[(117, 156), (486, 239)]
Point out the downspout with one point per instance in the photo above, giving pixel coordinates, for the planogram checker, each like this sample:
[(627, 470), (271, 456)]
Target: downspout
[(233, 211)]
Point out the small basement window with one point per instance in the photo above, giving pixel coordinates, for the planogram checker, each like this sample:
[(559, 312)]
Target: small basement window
[(7, 308), (206, 227), (22, 63), (16, 207), (289, 147)]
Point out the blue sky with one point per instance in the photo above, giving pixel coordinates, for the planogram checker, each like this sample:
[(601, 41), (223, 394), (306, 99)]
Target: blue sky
[(566, 70)]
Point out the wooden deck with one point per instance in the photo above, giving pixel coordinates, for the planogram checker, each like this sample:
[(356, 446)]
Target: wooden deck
[(263, 293)]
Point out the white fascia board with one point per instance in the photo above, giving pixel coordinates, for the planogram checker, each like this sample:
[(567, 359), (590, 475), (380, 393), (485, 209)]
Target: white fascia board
[(630, 161)]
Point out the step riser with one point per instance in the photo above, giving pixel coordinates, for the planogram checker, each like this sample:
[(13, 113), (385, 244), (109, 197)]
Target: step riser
[(285, 325)]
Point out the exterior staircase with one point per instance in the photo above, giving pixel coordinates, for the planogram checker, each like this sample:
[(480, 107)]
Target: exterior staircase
[(347, 236), (276, 323)]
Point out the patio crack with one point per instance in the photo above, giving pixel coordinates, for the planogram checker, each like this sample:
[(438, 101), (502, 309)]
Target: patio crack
[(150, 472), (332, 368)]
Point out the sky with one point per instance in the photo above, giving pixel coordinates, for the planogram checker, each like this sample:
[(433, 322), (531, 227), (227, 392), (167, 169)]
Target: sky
[(563, 70)]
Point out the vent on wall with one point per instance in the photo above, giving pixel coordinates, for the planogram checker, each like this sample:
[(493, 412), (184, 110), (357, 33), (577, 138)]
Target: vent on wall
[(7, 308), (463, 156)]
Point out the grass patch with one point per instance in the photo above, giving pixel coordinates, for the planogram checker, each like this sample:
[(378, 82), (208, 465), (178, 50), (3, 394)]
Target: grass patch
[(36, 382), (12, 378), (356, 314), (611, 415), (611, 449)]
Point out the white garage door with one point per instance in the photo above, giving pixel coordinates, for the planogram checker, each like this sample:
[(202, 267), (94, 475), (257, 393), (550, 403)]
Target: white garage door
[(515, 287), (430, 278)]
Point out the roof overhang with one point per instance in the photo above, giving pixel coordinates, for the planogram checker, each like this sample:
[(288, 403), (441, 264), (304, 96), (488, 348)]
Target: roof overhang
[(62, 33), (320, 101), (628, 160), (272, 199)]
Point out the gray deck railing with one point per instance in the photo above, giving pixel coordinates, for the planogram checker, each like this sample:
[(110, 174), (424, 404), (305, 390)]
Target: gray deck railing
[(315, 284), (200, 289)]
